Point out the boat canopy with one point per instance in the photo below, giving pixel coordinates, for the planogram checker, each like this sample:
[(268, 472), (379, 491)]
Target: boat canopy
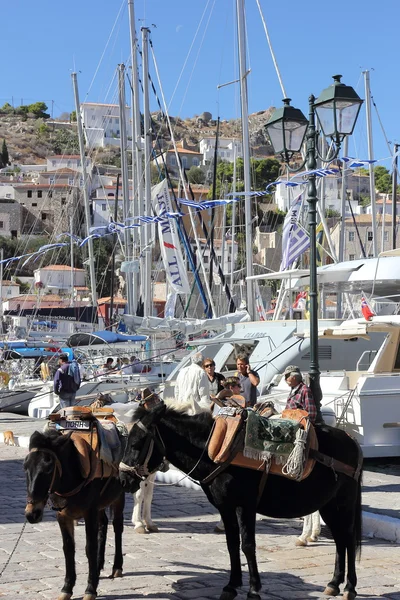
[(16, 353), (185, 326), (102, 337)]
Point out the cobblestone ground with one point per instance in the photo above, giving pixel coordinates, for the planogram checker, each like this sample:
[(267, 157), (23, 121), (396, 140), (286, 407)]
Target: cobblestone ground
[(186, 560)]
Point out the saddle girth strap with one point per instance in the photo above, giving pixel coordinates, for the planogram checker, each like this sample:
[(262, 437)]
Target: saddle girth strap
[(337, 465)]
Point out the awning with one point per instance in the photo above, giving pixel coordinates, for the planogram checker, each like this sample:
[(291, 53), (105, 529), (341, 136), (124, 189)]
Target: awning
[(102, 337)]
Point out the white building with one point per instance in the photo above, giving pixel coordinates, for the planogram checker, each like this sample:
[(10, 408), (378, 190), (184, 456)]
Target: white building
[(9, 289), (103, 205), (226, 149), (231, 248), (101, 124), (330, 199), (58, 278), (67, 161)]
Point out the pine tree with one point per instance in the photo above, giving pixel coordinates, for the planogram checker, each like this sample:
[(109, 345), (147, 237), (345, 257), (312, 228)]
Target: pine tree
[(4, 158)]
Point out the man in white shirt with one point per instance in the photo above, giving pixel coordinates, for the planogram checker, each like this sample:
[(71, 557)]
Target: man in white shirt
[(192, 387)]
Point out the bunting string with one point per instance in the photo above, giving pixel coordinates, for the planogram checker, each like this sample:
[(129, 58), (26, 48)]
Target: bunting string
[(113, 228)]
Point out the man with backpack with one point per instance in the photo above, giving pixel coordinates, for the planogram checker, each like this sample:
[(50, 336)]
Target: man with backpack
[(67, 380)]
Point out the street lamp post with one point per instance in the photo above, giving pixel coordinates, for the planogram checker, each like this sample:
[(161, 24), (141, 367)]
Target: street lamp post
[(337, 110)]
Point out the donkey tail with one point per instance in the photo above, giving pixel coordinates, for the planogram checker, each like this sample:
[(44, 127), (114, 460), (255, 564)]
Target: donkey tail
[(358, 518)]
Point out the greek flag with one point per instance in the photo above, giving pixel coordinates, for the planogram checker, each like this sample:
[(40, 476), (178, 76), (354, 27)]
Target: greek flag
[(295, 240)]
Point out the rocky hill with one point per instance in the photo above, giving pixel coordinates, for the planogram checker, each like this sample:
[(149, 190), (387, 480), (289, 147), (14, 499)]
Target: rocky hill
[(30, 140)]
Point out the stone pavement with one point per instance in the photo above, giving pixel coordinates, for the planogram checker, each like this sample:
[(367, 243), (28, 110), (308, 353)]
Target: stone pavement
[(186, 560)]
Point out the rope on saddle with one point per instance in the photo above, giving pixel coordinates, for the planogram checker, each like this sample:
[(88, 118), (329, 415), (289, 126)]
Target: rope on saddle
[(294, 466)]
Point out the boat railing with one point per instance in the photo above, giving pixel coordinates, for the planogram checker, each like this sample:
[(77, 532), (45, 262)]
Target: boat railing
[(361, 366), (343, 403)]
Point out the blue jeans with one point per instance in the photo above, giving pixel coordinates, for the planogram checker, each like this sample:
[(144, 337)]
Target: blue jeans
[(67, 399)]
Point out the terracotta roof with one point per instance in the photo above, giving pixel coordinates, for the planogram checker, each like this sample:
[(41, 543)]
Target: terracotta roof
[(35, 298), (183, 151), (59, 268), (367, 219), (97, 104), (64, 156), (38, 186), (81, 288), (107, 300), (56, 171)]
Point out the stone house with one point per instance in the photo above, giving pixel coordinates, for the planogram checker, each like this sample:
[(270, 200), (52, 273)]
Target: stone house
[(188, 158), (364, 225), (46, 208), (10, 218), (9, 289)]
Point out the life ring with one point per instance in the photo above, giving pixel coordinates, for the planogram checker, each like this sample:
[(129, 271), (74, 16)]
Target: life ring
[(5, 377)]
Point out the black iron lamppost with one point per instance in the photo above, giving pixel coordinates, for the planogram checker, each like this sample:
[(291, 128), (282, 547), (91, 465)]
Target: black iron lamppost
[(337, 110)]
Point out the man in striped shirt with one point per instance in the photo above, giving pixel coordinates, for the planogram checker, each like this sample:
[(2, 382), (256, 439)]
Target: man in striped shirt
[(300, 394)]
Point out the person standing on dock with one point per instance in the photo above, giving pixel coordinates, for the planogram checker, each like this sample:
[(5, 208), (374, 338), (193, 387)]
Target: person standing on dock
[(67, 381)]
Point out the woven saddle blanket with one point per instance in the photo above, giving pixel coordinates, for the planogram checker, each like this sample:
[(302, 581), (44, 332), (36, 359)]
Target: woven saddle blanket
[(266, 438)]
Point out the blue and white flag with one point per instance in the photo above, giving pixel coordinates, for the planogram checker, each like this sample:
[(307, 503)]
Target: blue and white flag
[(295, 239)]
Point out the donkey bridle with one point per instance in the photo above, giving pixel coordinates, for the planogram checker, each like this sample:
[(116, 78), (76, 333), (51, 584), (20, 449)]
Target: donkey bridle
[(140, 468), (57, 467)]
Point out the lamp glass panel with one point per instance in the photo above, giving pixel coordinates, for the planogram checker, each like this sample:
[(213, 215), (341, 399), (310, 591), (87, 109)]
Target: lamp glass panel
[(346, 115), (276, 136), (326, 118), (294, 135)]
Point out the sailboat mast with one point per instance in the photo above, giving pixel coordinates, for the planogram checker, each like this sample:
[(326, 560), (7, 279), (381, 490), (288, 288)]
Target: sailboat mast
[(125, 185), (71, 249), (246, 155), (147, 300), (371, 157), (137, 184), (92, 272), (394, 195), (233, 221)]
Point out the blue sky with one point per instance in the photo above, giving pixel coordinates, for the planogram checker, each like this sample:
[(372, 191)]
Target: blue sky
[(194, 45)]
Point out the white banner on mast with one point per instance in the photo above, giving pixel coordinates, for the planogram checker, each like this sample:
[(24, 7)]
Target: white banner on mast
[(169, 241)]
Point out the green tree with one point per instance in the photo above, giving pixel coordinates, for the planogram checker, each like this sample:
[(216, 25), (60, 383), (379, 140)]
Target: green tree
[(196, 175), (72, 117), (383, 179), (7, 108), (4, 158), (39, 110)]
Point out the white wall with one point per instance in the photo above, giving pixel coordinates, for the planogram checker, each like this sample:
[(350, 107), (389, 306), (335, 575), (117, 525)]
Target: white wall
[(59, 279)]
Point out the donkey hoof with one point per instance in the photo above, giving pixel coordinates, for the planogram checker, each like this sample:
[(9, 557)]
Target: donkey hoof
[(116, 573), (140, 529), (253, 596), (300, 542), (349, 595), (152, 528), (90, 597), (64, 596), (228, 593), (330, 591), (312, 538)]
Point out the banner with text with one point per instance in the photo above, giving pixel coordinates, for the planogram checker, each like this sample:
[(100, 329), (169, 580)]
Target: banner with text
[(169, 240)]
